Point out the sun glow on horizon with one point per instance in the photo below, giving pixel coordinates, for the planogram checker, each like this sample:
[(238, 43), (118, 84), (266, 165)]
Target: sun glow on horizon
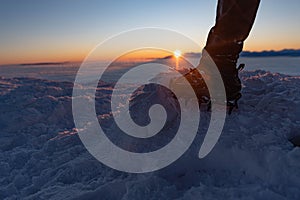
[(177, 53)]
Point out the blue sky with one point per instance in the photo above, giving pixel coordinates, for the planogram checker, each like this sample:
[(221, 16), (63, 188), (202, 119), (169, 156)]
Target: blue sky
[(36, 30)]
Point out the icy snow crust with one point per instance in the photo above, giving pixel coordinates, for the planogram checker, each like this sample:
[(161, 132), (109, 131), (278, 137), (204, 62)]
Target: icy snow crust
[(42, 157)]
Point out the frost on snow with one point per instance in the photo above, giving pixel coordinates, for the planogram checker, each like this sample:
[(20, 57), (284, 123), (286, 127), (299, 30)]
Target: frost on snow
[(42, 157)]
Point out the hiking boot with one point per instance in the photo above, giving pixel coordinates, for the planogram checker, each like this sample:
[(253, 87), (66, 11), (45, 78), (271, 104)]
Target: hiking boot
[(230, 79), (195, 80), (230, 75)]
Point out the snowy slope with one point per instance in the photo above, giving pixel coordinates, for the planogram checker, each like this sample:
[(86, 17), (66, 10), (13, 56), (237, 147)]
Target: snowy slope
[(42, 157)]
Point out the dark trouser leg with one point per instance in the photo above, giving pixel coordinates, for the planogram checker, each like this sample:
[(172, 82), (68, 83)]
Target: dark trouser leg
[(225, 41)]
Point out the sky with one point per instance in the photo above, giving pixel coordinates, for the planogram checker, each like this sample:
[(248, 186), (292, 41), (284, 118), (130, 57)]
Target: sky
[(67, 30)]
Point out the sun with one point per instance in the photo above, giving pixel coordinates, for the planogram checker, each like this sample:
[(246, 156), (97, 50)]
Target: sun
[(177, 53)]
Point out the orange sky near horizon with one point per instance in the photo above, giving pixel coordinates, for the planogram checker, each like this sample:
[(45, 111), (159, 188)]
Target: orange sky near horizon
[(74, 53), (77, 55)]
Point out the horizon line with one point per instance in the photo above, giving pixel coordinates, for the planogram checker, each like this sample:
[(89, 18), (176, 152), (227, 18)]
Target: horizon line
[(246, 53)]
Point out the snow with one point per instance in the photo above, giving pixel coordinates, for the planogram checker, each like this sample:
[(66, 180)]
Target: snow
[(42, 157)]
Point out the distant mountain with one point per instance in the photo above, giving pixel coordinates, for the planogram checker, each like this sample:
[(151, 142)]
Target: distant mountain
[(44, 63), (271, 53)]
